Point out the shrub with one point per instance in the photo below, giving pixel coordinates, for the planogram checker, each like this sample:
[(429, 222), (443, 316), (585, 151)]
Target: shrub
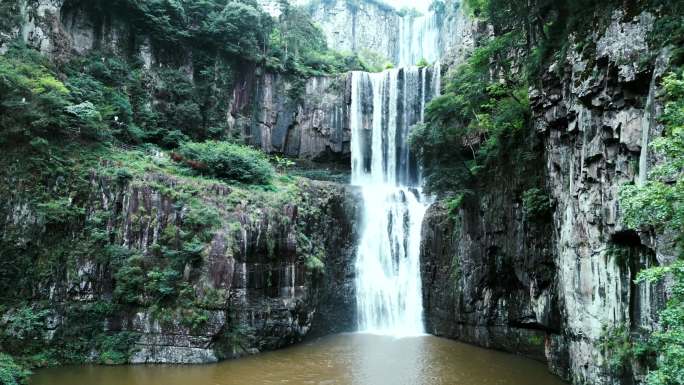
[(227, 161), (10, 372), (130, 281), (536, 203)]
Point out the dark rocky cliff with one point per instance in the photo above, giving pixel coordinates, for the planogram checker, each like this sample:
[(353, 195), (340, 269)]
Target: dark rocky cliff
[(300, 119), (273, 269), (548, 286), (554, 287)]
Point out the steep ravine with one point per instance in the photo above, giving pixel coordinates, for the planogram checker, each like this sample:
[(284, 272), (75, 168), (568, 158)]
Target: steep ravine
[(493, 275)]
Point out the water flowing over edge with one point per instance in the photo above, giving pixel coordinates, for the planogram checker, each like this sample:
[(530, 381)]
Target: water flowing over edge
[(385, 106), (419, 39)]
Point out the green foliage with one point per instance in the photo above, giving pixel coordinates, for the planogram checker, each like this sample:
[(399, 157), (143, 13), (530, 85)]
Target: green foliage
[(660, 204), (372, 61), (11, 373), (162, 284), (618, 346), (668, 29), (130, 281), (477, 115), (116, 349), (315, 264), (282, 164), (60, 211), (536, 204), (23, 326), (34, 103), (454, 204), (422, 63), (670, 339), (227, 161)]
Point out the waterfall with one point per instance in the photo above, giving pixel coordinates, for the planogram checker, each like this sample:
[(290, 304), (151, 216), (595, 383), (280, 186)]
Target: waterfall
[(384, 107), (418, 39)]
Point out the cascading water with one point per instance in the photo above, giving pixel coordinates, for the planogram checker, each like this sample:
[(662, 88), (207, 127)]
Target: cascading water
[(419, 39), (383, 109)]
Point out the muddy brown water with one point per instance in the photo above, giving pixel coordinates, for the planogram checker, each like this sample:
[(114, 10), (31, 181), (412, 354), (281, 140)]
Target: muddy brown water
[(345, 359)]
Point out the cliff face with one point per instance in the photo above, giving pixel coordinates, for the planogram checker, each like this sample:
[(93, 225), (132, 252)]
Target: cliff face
[(305, 119), (555, 288), (598, 129), (359, 26), (273, 269), (369, 27), (489, 275), (310, 122)]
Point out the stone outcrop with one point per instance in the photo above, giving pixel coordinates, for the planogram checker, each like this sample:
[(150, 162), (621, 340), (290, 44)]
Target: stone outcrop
[(552, 289), (257, 264), (255, 287), (489, 275), (310, 122)]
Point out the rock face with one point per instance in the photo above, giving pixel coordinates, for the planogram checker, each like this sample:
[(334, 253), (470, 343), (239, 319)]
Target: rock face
[(37, 24), (373, 27), (309, 123), (257, 263), (489, 275), (553, 288), (598, 129), (359, 26), (255, 287)]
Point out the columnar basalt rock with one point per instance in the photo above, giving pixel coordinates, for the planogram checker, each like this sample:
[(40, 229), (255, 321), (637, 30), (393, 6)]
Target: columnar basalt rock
[(597, 117), (489, 274), (552, 290)]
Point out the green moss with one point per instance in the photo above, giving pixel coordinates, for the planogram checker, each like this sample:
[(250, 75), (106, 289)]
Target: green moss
[(536, 340)]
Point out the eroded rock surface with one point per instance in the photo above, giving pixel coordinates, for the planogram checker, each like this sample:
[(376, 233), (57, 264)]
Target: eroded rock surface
[(551, 289)]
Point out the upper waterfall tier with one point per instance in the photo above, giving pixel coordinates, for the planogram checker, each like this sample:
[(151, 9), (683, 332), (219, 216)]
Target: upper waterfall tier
[(384, 107), (419, 39), (370, 29)]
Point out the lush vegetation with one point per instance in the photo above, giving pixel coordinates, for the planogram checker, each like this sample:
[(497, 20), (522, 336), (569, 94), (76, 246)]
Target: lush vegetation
[(477, 115), (659, 205), (227, 161), (108, 117), (10, 372)]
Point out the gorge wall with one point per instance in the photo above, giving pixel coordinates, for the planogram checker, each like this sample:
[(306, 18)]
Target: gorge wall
[(554, 287), (265, 269), (275, 268)]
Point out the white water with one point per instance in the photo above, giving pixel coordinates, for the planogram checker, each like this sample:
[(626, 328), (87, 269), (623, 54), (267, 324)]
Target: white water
[(384, 108), (419, 39)]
